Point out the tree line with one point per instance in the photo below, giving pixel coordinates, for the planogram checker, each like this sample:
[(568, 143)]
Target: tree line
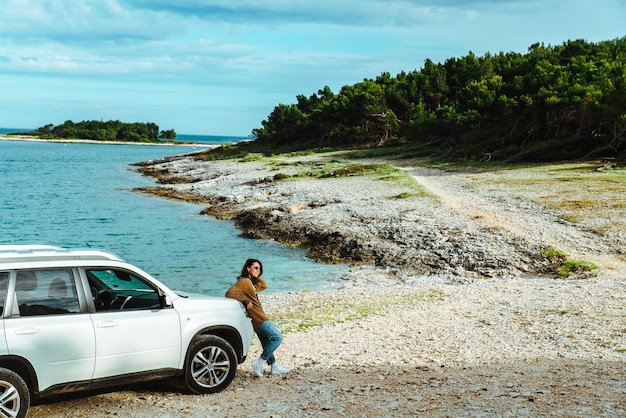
[(112, 130), (552, 103)]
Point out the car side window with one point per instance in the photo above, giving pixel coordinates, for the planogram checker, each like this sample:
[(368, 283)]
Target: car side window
[(117, 289), (46, 292), (4, 283)]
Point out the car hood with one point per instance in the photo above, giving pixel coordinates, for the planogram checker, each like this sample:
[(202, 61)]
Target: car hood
[(199, 299)]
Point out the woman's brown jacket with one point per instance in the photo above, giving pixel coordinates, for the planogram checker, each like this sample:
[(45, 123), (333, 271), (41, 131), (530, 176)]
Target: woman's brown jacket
[(245, 291)]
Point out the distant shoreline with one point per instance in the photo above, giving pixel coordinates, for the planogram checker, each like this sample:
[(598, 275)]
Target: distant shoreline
[(27, 138)]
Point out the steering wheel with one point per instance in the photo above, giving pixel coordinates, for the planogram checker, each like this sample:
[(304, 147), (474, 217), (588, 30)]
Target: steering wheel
[(129, 297), (105, 300)]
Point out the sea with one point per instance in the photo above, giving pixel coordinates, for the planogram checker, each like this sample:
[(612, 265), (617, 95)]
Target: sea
[(78, 195)]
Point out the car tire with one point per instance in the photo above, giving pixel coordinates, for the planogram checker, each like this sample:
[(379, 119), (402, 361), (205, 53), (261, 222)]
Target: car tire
[(14, 394), (210, 365)]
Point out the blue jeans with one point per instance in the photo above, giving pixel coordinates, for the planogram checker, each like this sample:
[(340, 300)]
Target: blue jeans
[(270, 337)]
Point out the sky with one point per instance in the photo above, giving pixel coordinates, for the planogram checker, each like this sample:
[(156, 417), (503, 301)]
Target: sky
[(219, 67)]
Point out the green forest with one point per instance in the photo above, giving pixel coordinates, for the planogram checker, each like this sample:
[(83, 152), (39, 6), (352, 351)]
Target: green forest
[(552, 103), (112, 130)]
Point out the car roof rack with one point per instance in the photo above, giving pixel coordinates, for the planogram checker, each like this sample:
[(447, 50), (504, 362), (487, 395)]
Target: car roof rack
[(20, 253)]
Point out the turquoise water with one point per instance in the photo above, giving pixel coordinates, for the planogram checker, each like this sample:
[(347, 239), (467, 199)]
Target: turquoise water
[(74, 195)]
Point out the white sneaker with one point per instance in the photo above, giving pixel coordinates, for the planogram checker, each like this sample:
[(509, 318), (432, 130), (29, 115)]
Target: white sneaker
[(278, 369), (257, 366)]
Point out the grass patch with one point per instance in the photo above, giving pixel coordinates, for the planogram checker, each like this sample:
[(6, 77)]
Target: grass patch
[(324, 169), (251, 157), (396, 152), (570, 267), (553, 254), (343, 169), (337, 169), (566, 266), (329, 311)]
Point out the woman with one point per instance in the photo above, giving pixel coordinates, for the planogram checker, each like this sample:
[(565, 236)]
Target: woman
[(245, 291)]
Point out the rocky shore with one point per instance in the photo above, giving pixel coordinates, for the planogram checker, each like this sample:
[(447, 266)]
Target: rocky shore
[(358, 220), (451, 308), (455, 224)]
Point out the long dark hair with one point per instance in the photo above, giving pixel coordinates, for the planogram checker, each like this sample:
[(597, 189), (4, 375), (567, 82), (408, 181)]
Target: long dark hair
[(249, 262)]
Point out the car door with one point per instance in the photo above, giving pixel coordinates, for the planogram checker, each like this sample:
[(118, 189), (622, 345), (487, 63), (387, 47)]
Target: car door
[(134, 333), (47, 322)]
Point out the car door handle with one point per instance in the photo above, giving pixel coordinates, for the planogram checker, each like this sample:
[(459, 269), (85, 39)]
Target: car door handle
[(27, 331), (107, 324)]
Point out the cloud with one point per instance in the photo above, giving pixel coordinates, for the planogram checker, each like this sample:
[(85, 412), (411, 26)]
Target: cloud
[(89, 20), (80, 22), (285, 12), (164, 39), (132, 56)]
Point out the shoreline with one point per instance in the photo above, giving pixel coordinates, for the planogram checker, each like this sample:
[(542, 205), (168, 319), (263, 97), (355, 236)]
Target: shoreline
[(439, 317), (460, 227), (26, 138)]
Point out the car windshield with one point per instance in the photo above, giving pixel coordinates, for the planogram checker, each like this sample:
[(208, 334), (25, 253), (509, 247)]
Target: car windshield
[(117, 280)]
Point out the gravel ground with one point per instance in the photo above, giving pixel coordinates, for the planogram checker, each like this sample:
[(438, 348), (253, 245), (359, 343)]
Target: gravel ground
[(435, 344)]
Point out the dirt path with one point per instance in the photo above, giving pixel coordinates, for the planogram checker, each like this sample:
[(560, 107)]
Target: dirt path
[(481, 200)]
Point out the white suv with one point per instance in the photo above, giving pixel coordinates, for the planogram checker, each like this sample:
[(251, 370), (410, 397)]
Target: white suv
[(86, 319)]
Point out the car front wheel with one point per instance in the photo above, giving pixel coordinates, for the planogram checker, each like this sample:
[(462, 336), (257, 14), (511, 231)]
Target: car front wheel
[(14, 395), (210, 365)]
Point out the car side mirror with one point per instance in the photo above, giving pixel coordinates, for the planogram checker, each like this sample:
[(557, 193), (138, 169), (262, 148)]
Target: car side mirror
[(166, 302)]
